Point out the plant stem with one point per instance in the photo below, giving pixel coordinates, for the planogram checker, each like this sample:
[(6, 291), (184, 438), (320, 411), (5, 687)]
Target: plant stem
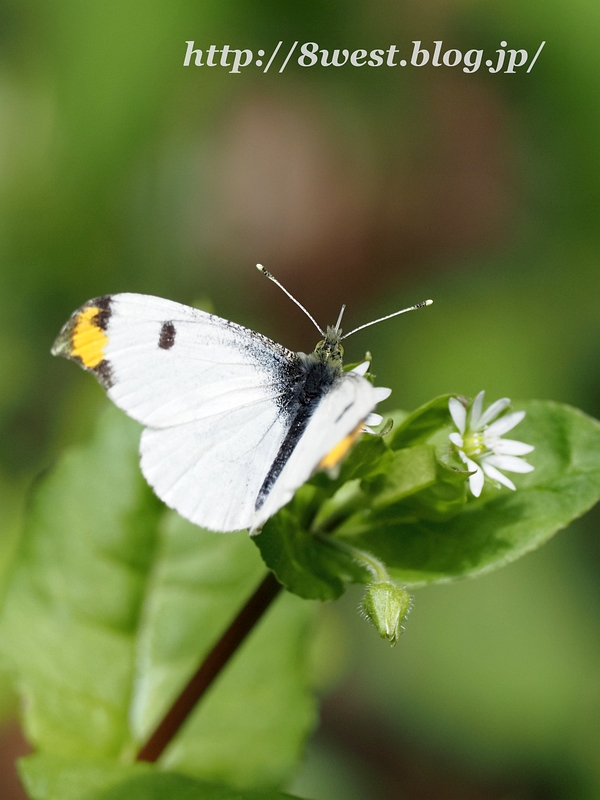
[(210, 668), (367, 560)]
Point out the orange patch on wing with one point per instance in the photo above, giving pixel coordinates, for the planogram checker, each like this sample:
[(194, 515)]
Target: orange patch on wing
[(88, 339), (335, 455)]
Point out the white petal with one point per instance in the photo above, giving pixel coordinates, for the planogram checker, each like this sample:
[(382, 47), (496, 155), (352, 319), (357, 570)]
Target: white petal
[(496, 475), (510, 463), (492, 412), (458, 413), (456, 439), (509, 447), (366, 429), (475, 480), (381, 393), (507, 423), (374, 419), (476, 411), (362, 368), (463, 456)]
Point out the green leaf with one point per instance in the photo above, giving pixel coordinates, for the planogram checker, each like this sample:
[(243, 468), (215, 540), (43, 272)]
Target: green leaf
[(302, 561), (53, 778), (50, 777), (370, 457), (501, 525), (406, 492), (74, 603), (179, 787), (443, 499), (419, 426), (113, 604), (411, 470)]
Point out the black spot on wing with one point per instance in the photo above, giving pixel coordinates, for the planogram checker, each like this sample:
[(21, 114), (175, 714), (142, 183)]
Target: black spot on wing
[(104, 373), (166, 339), (103, 315)]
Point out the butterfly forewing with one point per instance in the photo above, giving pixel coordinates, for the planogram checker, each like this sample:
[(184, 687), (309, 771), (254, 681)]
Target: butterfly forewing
[(166, 364)]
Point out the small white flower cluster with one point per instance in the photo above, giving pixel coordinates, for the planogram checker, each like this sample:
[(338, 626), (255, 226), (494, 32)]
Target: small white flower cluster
[(479, 443)]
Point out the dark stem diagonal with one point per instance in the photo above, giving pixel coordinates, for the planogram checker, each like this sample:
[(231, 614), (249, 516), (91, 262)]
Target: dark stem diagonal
[(210, 668)]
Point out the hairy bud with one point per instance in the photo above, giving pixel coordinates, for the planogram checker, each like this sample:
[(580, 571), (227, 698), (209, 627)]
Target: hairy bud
[(386, 605)]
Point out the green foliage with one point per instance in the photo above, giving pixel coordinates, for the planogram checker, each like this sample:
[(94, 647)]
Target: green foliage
[(308, 566), (407, 505), (250, 730), (421, 424), (53, 778), (123, 600), (411, 470), (501, 525)]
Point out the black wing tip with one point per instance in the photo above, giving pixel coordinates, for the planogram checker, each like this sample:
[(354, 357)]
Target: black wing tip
[(104, 374), (104, 304), (64, 345)]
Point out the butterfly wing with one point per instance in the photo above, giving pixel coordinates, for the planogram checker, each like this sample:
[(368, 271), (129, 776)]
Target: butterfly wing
[(230, 433), (210, 392), (167, 364), (211, 470)]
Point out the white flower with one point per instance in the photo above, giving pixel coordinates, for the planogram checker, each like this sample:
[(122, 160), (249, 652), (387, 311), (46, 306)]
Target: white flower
[(372, 421), (479, 443), (381, 394)]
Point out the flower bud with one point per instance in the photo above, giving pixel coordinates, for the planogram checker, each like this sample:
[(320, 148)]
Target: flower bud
[(386, 605)]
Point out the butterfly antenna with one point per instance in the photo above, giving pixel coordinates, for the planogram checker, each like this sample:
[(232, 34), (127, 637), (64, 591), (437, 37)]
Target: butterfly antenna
[(339, 319), (267, 274), (389, 316)]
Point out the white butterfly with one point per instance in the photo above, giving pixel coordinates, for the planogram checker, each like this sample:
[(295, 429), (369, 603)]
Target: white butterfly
[(235, 423)]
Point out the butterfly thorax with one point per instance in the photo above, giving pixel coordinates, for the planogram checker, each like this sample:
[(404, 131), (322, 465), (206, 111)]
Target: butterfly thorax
[(314, 374)]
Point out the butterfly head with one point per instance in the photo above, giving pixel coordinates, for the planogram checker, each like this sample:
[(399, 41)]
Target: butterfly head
[(330, 348)]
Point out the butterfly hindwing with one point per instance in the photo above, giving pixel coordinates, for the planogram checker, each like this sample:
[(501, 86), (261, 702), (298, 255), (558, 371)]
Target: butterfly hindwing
[(211, 470)]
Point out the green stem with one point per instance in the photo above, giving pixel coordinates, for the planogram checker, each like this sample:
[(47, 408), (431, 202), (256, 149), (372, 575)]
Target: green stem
[(373, 565)]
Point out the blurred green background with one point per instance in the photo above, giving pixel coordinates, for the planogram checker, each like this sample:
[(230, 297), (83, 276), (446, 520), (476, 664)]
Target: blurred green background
[(121, 170)]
